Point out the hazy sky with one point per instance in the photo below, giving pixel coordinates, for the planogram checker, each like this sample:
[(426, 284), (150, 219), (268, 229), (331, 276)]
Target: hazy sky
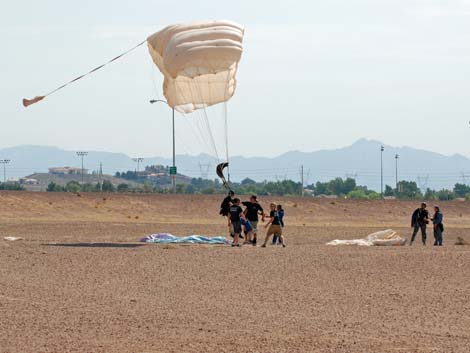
[(314, 74)]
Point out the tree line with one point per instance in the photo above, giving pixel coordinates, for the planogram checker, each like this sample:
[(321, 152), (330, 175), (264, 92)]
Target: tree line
[(344, 188)]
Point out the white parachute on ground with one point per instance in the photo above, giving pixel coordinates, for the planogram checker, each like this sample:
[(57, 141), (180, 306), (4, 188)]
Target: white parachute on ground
[(382, 238), (199, 62)]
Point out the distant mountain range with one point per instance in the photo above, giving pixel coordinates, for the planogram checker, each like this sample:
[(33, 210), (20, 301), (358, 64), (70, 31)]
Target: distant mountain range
[(360, 160)]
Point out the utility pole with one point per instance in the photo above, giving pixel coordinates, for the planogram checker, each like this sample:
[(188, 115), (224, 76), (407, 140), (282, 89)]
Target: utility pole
[(5, 162), (302, 179), (82, 154), (174, 152), (101, 176), (138, 160), (173, 170), (381, 172), (204, 169), (397, 156)]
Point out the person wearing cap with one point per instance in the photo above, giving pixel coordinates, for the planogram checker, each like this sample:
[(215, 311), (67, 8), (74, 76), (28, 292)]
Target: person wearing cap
[(419, 220), (438, 226), (253, 211)]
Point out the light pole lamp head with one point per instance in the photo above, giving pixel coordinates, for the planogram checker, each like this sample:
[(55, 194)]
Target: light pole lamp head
[(382, 148), (397, 156)]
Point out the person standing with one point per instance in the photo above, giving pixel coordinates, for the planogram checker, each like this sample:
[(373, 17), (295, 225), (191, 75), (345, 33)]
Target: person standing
[(280, 212), (419, 220), (274, 225), (253, 211), (438, 226), (236, 213), (225, 205)]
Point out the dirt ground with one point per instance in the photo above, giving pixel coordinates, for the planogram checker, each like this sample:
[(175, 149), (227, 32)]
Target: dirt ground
[(79, 281)]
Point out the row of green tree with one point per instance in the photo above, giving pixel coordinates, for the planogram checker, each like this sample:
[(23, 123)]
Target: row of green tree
[(404, 190), (11, 186), (346, 188)]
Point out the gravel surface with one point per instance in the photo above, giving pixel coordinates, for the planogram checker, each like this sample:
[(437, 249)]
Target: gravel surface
[(80, 281)]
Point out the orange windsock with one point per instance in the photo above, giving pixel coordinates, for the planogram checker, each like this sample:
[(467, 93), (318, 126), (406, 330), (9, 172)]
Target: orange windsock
[(28, 102)]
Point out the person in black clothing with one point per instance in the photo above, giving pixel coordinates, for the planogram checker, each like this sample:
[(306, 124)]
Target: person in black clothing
[(419, 219), (252, 212), (438, 226), (225, 205), (236, 213)]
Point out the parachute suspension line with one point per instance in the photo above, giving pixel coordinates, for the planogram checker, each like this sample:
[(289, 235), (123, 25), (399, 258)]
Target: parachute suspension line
[(27, 102), (198, 122), (206, 122), (211, 136)]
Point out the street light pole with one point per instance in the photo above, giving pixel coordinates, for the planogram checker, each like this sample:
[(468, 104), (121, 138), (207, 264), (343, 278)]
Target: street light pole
[(397, 156), (173, 170), (381, 172), (82, 154), (173, 179), (5, 162)]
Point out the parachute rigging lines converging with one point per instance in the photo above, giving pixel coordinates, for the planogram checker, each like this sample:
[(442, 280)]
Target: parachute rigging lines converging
[(199, 62), (220, 173)]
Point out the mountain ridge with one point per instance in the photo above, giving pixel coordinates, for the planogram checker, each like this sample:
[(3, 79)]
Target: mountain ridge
[(361, 160)]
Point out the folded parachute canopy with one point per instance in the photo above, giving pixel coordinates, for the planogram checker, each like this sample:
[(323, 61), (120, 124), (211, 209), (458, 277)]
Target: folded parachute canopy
[(386, 237), (198, 60)]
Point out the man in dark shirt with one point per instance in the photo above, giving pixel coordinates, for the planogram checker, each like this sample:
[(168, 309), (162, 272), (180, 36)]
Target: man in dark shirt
[(225, 205), (252, 211), (419, 219), (235, 213)]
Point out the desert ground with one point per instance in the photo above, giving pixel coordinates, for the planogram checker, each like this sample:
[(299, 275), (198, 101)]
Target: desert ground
[(80, 281)]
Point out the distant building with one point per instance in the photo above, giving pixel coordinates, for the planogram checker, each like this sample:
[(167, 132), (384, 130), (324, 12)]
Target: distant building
[(29, 181), (323, 196), (67, 170)]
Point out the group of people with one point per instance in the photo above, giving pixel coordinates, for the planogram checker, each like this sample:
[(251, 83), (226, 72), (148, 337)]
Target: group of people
[(419, 221), (243, 223)]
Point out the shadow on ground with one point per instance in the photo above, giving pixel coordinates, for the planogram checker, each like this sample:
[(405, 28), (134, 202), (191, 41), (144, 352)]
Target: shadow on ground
[(95, 245)]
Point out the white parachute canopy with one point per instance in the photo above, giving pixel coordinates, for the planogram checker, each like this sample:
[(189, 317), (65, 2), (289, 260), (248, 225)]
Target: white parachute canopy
[(382, 238), (199, 62)]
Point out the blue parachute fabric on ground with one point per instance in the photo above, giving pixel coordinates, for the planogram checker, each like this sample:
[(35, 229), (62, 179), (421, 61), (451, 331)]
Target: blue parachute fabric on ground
[(166, 238)]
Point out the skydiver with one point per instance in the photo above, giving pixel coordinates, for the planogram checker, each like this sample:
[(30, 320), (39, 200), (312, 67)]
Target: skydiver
[(225, 205), (419, 219), (253, 210)]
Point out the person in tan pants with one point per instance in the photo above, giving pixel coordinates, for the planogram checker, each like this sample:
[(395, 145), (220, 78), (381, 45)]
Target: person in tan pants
[(274, 225)]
